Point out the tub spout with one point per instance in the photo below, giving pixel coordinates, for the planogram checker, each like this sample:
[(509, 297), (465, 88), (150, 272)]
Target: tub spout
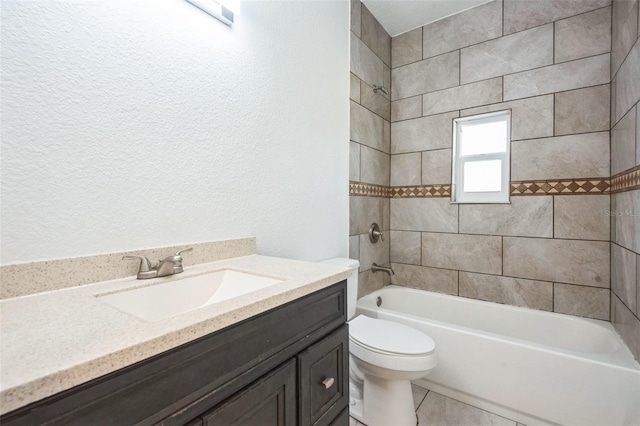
[(376, 268)]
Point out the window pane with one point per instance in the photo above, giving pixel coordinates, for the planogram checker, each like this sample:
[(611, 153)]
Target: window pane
[(482, 176), (483, 138)]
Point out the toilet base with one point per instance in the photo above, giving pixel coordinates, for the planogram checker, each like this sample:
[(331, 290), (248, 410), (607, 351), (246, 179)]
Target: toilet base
[(385, 402)]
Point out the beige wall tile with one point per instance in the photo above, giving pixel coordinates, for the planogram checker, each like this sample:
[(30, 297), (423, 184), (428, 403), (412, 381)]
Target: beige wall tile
[(525, 216), (354, 161), (423, 278), (354, 247), (461, 97), (582, 110), (356, 17), (568, 261), (422, 134), (625, 208), (581, 217), (624, 276), (511, 291), (406, 48), (366, 127), (624, 30), (583, 35), (425, 76), (463, 29), (626, 324), (517, 52), (586, 72), (386, 136), (405, 169), (354, 88), (520, 15), (373, 252), (637, 137), (364, 63), (368, 282), (406, 247), (404, 109), (436, 166), (363, 211), (424, 214), (376, 102), (628, 82), (374, 166), (574, 156), (386, 79), (582, 301), (374, 36), (530, 118), (386, 214), (473, 253), (623, 143)]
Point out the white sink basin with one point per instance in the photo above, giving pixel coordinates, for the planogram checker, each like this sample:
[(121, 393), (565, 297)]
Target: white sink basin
[(165, 300)]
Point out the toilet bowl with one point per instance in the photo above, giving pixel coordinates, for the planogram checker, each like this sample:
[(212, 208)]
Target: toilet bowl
[(384, 357)]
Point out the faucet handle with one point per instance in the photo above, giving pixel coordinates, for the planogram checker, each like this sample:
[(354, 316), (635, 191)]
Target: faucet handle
[(146, 270), (177, 259), (145, 264), (179, 252)]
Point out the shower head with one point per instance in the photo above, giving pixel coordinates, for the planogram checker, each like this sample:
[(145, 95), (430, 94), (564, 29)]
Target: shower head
[(382, 89)]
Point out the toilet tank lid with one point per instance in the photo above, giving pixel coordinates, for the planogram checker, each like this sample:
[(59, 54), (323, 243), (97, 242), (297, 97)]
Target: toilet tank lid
[(343, 261)]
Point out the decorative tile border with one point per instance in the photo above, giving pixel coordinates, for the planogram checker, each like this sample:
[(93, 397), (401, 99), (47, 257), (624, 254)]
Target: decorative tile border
[(369, 190), (424, 191), (623, 182), (626, 181), (563, 187)]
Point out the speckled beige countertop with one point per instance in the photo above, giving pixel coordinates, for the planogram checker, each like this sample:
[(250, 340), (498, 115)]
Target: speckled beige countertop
[(53, 341)]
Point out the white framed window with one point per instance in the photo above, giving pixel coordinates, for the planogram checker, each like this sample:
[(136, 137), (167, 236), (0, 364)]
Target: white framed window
[(480, 169)]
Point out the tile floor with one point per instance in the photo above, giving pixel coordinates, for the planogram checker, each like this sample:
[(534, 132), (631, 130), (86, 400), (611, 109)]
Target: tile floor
[(434, 409)]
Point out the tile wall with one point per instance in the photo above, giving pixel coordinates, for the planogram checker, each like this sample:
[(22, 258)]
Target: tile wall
[(549, 62), (625, 170), (370, 146)]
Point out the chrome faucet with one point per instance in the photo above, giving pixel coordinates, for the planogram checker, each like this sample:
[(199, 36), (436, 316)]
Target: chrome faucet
[(170, 265), (375, 268)]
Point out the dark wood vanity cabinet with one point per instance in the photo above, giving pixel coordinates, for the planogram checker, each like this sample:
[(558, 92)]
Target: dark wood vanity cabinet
[(287, 366)]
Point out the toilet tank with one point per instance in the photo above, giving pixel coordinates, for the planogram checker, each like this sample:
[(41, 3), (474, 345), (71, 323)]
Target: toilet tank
[(352, 281)]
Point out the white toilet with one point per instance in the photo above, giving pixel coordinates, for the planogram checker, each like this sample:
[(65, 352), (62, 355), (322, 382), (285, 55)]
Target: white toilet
[(384, 357)]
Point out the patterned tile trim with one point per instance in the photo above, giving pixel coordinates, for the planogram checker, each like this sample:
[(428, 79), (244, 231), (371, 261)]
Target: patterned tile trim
[(368, 190), (564, 187), (626, 181), (424, 191)]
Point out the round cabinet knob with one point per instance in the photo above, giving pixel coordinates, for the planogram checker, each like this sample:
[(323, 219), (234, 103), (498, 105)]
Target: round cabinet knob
[(328, 382)]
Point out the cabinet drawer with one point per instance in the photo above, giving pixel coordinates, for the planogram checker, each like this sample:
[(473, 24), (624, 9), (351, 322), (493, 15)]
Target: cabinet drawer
[(324, 379)]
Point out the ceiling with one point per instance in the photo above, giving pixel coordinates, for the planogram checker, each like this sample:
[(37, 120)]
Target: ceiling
[(400, 16)]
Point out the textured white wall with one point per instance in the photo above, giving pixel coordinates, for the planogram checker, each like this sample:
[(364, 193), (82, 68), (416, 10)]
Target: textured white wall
[(143, 123)]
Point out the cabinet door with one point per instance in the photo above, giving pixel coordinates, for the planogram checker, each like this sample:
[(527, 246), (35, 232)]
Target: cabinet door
[(323, 371), (270, 401)]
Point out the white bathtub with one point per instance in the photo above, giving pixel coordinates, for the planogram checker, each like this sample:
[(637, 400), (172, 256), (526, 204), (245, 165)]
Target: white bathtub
[(531, 366)]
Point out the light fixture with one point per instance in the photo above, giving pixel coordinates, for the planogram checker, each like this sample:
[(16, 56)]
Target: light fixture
[(222, 10)]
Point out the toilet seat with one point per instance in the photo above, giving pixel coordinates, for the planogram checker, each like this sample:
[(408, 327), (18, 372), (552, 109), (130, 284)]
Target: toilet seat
[(391, 345)]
